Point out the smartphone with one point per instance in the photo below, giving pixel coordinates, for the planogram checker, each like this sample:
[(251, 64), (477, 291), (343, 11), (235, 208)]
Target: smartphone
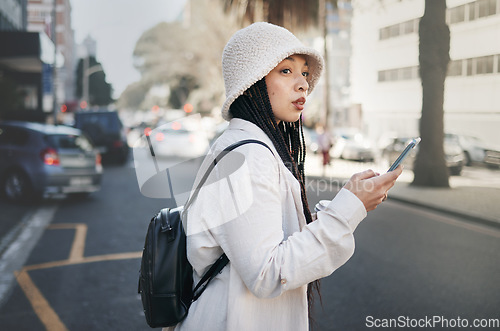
[(404, 153)]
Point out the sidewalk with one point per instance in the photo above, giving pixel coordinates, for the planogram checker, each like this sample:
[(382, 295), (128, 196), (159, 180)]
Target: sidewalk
[(474, 195)]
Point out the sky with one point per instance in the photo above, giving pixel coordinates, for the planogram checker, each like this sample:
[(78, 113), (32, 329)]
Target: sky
[(116, 25)]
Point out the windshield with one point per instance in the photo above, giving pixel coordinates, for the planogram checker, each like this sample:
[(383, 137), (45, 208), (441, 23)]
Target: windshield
[(69, 142), (107, 121)]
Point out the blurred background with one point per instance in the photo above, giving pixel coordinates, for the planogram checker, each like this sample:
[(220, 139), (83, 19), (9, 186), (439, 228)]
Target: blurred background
[(160, 61)]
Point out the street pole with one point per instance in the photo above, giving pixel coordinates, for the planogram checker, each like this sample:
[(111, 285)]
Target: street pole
[(85, 76), (54, 67), (326, 88)]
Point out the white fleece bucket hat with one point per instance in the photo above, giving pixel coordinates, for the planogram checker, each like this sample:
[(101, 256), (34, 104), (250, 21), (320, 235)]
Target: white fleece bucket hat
[(254, 51)]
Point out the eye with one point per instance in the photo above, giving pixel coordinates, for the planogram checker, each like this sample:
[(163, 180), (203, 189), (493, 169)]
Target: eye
[(286, 71), (305, 74)]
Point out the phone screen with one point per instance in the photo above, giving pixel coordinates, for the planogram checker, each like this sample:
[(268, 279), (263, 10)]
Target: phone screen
[(404, 153)]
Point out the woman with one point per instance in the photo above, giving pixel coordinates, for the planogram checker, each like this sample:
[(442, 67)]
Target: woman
[(254, 208)]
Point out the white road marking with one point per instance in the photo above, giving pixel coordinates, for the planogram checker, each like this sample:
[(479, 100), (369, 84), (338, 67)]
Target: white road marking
[(19, 250)]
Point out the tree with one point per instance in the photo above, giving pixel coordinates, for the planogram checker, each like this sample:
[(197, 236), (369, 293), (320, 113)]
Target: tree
[(186, 57), (293, 15), (430, 166), (100, 91)]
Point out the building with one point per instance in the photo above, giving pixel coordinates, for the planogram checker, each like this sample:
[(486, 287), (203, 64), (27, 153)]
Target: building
[(338, 54), (26, 60), (342, 114), (40, 19), (13, 15), (385, 81)]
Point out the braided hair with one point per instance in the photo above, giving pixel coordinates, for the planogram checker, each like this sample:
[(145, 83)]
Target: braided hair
[(287, 137)]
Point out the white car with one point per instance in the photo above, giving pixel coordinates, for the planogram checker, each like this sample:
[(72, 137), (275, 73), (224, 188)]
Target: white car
[(477, 151), (175, 141), (353, 146)]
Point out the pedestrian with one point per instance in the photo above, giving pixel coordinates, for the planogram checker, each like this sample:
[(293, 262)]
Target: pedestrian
[(324, 145), (257, 213)]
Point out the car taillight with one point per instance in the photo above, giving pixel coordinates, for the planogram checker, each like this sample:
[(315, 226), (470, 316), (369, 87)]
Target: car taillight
[(98, 159), (117, 143), (50, 157)]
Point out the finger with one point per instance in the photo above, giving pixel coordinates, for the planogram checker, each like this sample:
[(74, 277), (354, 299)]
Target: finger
[(365, 174), (391, 176)]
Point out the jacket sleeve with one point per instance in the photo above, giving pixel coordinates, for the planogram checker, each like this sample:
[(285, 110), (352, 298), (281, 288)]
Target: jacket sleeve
[(242, 212)]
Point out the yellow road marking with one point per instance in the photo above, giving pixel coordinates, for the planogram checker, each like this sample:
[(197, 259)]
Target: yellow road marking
[(42, 308), (78, 246), (40, 305), (90, 259)]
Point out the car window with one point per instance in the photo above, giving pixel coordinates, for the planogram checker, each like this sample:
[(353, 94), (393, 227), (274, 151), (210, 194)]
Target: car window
[(104, 120), (13, 136), (69, 142)]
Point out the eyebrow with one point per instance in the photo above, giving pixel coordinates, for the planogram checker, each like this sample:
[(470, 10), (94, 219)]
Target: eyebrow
[(293, 60)]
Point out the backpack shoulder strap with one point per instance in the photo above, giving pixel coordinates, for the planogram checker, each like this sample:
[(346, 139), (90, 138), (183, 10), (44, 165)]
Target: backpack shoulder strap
[(217, 159), (223, 260)]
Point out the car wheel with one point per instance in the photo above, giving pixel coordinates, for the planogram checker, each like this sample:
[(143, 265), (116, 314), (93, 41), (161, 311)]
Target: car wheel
[(456, 171), (17, 187), (467, 161)]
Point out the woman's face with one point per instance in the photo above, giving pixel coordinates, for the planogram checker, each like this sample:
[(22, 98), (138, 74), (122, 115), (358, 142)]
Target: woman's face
[(287, 88)]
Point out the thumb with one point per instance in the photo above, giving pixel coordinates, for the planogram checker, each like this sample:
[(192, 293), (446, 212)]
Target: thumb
[(365, 174)]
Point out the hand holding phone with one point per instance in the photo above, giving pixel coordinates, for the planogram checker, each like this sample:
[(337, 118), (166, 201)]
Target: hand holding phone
[(404, 153)]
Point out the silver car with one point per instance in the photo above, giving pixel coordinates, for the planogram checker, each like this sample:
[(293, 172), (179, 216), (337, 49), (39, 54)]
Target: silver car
[(39, 159)]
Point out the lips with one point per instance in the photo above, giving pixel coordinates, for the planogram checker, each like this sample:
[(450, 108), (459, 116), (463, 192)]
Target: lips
[(299, 103)]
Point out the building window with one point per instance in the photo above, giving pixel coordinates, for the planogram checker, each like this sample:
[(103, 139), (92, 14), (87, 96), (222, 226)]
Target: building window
[(487, 8), (484, 65), (455, 68), (471, 11), (406, 73), (470, 67), (381, 76), (392, 75), (456, 14), (383, 33), (394, 31), (399, 29)]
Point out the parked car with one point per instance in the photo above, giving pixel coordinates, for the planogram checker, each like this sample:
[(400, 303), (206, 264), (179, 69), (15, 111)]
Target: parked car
[(473, 148), (492, 158), (353, 146), (174, 140), (311, 140), (106, 131), (453, 153), (38, 159), (478, 151)]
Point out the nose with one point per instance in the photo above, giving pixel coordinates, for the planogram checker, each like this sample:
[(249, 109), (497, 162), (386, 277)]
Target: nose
[(302, 84)]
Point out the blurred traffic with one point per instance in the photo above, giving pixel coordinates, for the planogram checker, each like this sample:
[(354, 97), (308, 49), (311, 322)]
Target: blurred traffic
[(39, 159)]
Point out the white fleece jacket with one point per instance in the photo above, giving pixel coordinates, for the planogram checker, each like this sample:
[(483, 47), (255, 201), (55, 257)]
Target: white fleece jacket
[(253, 213)]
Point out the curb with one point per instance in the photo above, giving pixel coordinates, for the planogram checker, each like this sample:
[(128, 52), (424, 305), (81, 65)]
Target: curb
[(468, 217), (393, 196)]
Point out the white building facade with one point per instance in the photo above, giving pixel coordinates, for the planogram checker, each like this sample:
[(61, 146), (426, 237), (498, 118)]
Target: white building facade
[(385, 82)]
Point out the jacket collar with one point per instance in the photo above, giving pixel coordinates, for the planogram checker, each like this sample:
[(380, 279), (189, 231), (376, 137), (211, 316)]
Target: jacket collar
[(252, 129)]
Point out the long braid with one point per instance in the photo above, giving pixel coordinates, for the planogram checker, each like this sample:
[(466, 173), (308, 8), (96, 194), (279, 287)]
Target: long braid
[(288, 139)]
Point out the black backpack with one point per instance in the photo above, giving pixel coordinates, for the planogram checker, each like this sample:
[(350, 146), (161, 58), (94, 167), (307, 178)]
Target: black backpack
[(166, 276)]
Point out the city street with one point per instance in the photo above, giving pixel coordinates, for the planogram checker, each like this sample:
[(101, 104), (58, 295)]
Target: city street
[(410, 263)]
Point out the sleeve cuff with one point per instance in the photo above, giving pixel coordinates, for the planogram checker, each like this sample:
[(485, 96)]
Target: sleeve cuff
[(349, 206)]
